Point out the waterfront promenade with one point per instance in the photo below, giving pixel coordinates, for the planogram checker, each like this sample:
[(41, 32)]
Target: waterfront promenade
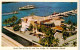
[(25, 35)]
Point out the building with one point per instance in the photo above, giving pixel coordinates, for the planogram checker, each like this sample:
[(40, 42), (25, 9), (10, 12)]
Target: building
[(37, 20), (26, 21)]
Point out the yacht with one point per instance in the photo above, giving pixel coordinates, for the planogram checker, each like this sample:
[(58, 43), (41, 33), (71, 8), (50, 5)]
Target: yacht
[(27, 7)]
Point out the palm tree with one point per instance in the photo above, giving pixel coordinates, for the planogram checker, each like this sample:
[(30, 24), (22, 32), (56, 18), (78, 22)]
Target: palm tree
[(19, 21), (71, 28), (74, 28), (64, 37), (64, 27), (42, 41), (69, 22), (43, 28), (5, 22), (9, 21), (30, 27), (74, 24), (32, 14), (56, 41), (47, 41), (74, 43), (39, 29), (14, 18), (39, 35)]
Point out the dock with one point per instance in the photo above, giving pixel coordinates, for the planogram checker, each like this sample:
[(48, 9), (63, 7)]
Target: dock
[(65, 14), (15, 12)]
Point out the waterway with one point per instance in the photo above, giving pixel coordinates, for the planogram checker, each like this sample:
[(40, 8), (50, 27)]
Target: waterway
[(42, 9)]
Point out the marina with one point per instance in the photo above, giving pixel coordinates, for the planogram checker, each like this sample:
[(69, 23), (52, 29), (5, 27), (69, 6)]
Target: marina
[(47, 17), (45, 26), (43, 9), (65, 14)]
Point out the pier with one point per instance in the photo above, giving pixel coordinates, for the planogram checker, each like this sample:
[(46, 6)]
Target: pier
[(15, 12), (65, 14)]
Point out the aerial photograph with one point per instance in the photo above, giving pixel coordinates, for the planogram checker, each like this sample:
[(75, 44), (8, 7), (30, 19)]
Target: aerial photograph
[(39, 24)]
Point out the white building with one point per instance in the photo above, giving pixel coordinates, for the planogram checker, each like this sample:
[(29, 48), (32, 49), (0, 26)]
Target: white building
[(26, 21)]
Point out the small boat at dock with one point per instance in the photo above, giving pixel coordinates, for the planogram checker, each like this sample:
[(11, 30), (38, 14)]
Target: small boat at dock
[(73, 14)]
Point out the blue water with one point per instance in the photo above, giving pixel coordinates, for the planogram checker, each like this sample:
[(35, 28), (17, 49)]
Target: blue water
[(42, 9)]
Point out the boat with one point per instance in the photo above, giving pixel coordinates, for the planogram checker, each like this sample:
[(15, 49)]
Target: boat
[(65, 15), (69, 13), (27, 7), (73, 14)]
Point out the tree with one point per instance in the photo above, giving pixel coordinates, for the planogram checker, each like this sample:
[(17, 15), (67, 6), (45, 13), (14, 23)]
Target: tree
[(71, 28), (39, 35), (74, 28), (19, 21), (47, 41), (74, 24), (48, 33), (69, 22), (43, 28), (30, 27), (32, 14), (16, 28), (9, 21), (39, 29), (42, 41), (5, 22), (49, 37), (53, 25), (64, 35), (64, 27), (14, 18), (56, 41), (74, 43)]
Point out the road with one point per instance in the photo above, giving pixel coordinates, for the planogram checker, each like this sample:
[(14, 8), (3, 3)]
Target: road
[(25, 35), (61, 41), (9, 42)]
